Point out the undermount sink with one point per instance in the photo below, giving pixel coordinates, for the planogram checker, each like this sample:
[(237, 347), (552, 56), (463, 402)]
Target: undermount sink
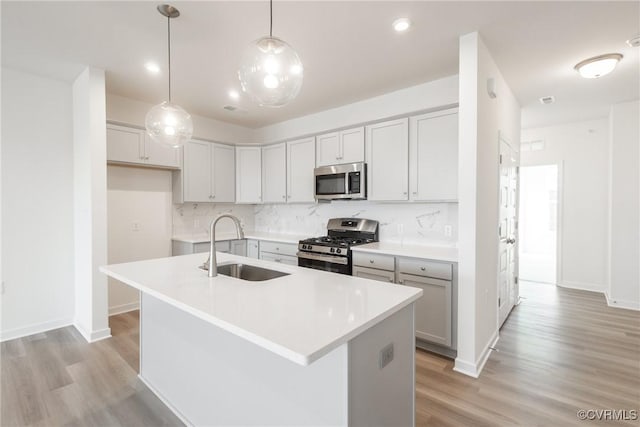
[(248, 272)]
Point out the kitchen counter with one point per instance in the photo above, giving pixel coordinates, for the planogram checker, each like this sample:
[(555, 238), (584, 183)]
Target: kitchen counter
[(310, 348), (301, 317), (257, 235), (438, 253)]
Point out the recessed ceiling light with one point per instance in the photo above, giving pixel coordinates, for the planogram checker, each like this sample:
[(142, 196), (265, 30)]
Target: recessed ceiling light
[(152, 67), (598, 66), (233, 94), (634, 42), (401, 24)]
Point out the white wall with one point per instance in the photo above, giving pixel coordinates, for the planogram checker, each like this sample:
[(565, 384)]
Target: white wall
[(130, 111), (37, 204), (90, 204), (416, 98), (482, 120), (624, 212), (581, 150), (136, 196)]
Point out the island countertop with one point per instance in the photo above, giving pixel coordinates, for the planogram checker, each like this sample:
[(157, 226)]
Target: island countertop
[(302, 316)]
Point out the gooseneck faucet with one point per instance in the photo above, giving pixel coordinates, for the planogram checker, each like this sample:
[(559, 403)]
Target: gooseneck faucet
[(213, 265)]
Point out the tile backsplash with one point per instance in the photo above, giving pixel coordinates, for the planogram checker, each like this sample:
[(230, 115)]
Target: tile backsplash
[(193, 219), (409, 223)]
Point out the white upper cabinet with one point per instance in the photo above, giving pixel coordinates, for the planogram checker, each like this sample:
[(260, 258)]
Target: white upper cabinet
[(433, 143), (223, 174), (387, 148), (248, 175), (274, 173), (196, 172), (208, 174), (131, 145), (300, 163), (346, 146)]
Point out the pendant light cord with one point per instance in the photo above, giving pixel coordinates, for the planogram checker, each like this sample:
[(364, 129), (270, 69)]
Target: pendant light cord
[(169, 51), (271, 18)]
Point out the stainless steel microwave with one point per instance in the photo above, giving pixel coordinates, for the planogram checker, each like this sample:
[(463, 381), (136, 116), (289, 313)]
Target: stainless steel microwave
[(336, 182)]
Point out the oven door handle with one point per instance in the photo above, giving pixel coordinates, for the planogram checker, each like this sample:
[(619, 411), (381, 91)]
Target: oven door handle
[(325, 258)]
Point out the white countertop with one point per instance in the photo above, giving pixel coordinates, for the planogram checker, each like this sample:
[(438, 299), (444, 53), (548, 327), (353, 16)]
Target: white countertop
[(439, 253), (258, 235), (301, 317)]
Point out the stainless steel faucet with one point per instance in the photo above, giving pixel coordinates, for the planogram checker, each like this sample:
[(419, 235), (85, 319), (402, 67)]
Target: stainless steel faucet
[(213, 265)]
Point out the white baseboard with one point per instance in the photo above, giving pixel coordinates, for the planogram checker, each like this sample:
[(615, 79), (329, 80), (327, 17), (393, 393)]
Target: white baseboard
[(583, 286), (166, 402), (124, 308), (617, 303), (93, 336), (34, 329), (474, 369)]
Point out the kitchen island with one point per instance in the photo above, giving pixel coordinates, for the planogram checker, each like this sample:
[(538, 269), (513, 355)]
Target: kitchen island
[(307, 348)]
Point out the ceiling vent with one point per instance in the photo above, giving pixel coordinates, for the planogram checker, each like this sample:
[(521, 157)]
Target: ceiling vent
[(634, 42), (547, 99), (234, 109)]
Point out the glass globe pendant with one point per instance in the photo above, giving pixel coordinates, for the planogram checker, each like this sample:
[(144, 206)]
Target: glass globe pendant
[(168, 123), (271, 71)]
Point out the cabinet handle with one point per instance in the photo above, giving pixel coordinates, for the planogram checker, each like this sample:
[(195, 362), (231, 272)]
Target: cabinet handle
[(146, 158), (390, 280), (278, 260)]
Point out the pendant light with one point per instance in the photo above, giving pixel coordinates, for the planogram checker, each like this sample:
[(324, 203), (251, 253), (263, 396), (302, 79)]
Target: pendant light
[(271, 71), (168, 123)]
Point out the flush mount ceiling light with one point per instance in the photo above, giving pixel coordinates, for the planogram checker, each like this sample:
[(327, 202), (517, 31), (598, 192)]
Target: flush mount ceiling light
[(271, 71), (401, 24), (598, 66), (168, 123)]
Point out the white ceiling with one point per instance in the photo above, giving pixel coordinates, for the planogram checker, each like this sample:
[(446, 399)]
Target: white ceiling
[(349, 50)]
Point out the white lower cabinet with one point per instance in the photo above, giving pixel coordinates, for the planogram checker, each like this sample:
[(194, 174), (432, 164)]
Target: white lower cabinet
[(253, 248), (284, 253), (435, 310), (236, 247)]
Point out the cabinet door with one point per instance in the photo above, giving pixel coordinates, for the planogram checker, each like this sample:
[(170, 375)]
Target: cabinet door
[(283, 259), (223, 173), (248, 175), (433, 143), (373, 274), (352, 145), (197, 171), (301, 159), (125, 144), (274, 173), (253, 248), (433, 308), (328, 149), (160, 155), (387, 150), (239, 247)]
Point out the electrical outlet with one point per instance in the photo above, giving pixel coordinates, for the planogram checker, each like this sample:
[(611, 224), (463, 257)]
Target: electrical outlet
[(448, 230), (386, 356), (135, 226)]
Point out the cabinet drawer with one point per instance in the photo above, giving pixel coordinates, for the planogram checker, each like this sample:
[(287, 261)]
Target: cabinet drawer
[(382, 262), (373, 274), (284, 259), (421, 267), (279, 248)]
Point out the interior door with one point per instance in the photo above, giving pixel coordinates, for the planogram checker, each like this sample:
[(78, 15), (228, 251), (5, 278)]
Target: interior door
[(508, 291)]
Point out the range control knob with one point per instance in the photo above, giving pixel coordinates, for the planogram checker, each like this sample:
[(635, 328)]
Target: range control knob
[(309, 247), (333, 249), (338, 250)]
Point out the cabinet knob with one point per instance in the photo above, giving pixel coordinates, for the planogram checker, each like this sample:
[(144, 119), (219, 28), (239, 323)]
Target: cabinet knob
[(401, 281), (423, 268), (415, 193), (284, 197), (371, 261), (405, 193), (278, 260), (213, 197)]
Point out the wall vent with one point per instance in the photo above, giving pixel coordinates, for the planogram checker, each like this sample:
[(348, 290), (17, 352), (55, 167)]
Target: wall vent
[(235, 109)]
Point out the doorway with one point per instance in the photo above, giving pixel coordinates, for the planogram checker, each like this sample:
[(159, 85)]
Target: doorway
[(538, 223)]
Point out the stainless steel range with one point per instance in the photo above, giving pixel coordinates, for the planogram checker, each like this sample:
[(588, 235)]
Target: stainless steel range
[(333, 252)]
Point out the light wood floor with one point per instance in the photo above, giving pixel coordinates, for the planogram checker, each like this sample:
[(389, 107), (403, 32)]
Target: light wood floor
[(561, 350)]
